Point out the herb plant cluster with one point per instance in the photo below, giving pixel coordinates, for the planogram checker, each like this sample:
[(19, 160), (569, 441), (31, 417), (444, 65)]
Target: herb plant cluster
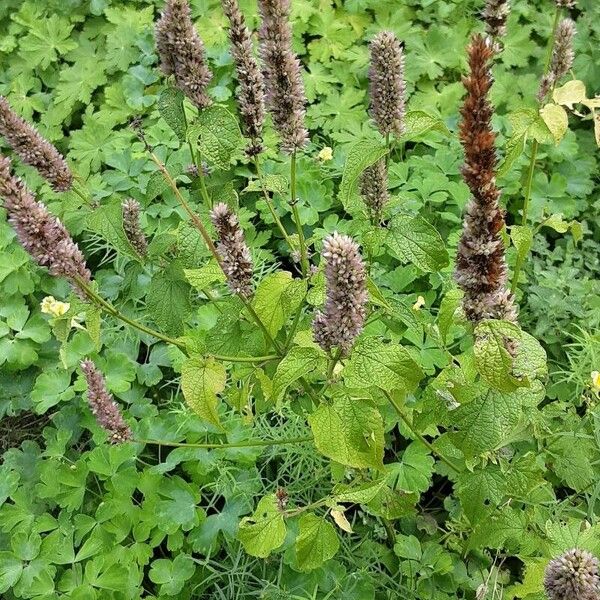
[(315, 310)]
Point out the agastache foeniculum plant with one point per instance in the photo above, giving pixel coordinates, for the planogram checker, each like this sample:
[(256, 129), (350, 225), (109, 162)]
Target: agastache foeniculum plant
[(278, 272)]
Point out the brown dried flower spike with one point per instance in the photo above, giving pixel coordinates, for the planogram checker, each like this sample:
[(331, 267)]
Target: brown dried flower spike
[(573, 576), (480, 262)]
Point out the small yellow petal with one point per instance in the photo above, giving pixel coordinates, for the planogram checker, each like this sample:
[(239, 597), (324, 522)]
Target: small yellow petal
[(326, 154), (419, 304), (596, 380), (51, 306)]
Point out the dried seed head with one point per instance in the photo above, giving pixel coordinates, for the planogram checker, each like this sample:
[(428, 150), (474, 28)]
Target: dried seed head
[(284, 87), (573, 576), (495, 15), (251, 96), (562, 57), (39, 231), (233, 250), (132, 227), (480, 262), (33, 149), (566, 3), (343, 316), (387, 88), (373, 188), (104, 408), (181, 52)]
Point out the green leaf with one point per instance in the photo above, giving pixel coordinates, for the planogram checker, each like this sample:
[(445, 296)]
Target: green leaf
[(170, 107), (487, 421), (448, 307), (362, 154), (481, 488), (316, 543), (201, 381), (168, 300), (47, 38), (10, 571), (51, 387), (413, 473), (277, 298), (493, 360), (297, 363), (277, 184), (522, 239), (388, 366), (358, 494), (413, 239), (171, 575), (217, 136), (515, 147), (572, 461), (204, 276), (265, 530), (556, 120), (349, 431), (107, 222), (418, 122)]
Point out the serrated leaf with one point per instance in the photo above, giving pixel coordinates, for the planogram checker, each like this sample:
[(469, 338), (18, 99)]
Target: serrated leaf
[(170, 107), (217, 136), (448, 307), (362, 154), (493, 360), (204, 276), (481, 488), (388, 366), (573, 92), (156, 185), (265, 530), (556, 120), (277, 298), (413, 472), (298, 362), (515, 147), (168, 300), (107, 222), (522, 239), (349, 431), (413, 239), (358, 494), (316, 543), (277, 184), (201, 381), (557, 223), (486, 422), (418, 122)]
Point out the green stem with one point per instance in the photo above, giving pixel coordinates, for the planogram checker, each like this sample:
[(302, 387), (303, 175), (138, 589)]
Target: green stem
[(193, 216), (433, 450), (524, 214), (534, 150), (77, 191), (109, 308), (270, 205), (244, 444), (259, 322), (333, 363), (204, 192), (294, 327), (298, 222)]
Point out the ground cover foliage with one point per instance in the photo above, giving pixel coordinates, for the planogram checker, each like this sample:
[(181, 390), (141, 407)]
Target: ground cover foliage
[(432, 458)]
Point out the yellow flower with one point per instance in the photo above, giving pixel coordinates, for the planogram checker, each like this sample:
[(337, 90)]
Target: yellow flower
[(51, 306), (596, 381), (419, 304), (326, 154)]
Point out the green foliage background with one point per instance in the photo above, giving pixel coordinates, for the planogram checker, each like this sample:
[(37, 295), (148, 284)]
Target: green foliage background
[(82, 521)]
